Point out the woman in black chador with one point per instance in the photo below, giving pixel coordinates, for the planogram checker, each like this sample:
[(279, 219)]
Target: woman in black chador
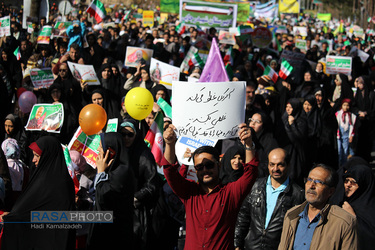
[(50, 188)]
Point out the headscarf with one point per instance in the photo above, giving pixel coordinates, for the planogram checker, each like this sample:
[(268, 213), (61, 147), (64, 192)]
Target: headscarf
[(110, 107), (158, 87), (12, 153), (17, 126), (227, 173), (51, 172), (346, 90), (363, 203), (313, 118), (364, 102), (58, 87), (296, 105), (120, 162), (106, 83), (139, 145), (114, 194), (149, 83), (50, 188)]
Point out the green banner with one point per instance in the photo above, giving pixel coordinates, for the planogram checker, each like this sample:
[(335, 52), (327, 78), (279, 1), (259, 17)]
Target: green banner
[(45, 35), (301, 44), (324, 16), (41, 78), (339, 64), (170, 6), (243, 11), (208, 14)]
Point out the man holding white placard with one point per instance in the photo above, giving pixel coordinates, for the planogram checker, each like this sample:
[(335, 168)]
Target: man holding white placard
[(211, 208)]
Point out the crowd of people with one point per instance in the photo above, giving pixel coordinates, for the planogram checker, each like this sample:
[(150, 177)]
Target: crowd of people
[(297, 175)]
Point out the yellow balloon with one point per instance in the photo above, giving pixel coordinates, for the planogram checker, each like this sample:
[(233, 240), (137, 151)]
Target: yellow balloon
[(139, 102)]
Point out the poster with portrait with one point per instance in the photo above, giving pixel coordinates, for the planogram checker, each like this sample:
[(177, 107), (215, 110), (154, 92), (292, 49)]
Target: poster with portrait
[(59, 30), (227, 37), (163, 73), (48, 117), (84, 72), (136, 55)]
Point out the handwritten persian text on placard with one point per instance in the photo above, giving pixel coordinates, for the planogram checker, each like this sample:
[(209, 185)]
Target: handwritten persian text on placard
[(208, 110)]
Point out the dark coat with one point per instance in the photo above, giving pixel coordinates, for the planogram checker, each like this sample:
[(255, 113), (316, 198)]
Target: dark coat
[(250, 232), (50, 188), (114, 194)]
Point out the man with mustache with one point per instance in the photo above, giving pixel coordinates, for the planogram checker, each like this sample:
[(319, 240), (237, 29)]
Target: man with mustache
[(315, 224), (260, 220), (211, 207)]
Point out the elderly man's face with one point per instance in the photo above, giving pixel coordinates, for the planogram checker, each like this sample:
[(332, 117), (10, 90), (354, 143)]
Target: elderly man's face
[(317, 194)]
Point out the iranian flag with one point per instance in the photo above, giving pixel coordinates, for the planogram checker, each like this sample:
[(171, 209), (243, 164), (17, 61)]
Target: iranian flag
[(271, 73), (200, 30), (181, 28), (126, 15), (228, 56), (260, 64), (17, 53), (71, 165), (154, 137), (196, 60), (97, 10), (229, 70), (285, 69)]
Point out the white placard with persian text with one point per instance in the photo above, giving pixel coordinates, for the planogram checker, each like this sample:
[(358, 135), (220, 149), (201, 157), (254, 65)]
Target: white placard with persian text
[(211, 110)]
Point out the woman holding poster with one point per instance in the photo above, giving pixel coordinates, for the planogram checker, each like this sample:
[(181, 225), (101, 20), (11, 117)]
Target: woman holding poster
[(144, 73)]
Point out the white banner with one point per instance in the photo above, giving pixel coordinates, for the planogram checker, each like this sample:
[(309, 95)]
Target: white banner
[(84, 72), (163, 73), (211, 110), (5, 26), (300, 30), (227, 37), (339, 64)]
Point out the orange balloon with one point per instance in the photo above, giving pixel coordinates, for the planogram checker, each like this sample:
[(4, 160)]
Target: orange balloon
[(92, 119)]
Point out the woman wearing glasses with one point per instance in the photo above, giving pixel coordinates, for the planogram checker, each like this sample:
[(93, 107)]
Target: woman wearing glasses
[(359, 200), (146, 182), (264, 139)]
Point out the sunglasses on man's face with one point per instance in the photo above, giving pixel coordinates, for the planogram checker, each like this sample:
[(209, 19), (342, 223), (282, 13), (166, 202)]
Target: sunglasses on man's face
[(206, 164)]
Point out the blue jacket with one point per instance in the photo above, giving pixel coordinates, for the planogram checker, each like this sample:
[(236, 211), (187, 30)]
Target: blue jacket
[(77, 38)]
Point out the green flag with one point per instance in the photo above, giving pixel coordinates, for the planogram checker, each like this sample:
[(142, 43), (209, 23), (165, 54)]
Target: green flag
[(167, 109)]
